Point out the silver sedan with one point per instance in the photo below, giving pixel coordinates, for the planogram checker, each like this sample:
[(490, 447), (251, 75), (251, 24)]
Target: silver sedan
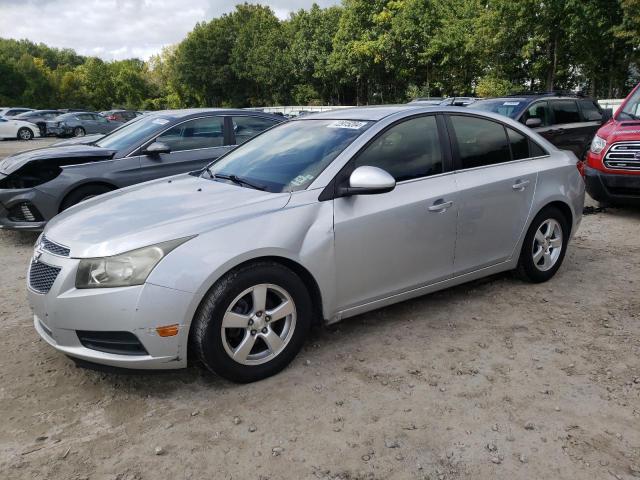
[(315, 220)]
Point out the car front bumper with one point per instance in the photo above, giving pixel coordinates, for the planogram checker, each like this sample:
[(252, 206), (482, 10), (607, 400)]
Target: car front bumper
[(26, 209), (614, 188), (64, 311)]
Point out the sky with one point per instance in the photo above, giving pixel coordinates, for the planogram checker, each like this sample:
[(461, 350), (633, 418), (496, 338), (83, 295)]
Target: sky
[(117, 29)]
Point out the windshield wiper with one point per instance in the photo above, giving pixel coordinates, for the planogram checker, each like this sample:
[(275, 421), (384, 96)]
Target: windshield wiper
[(236, 179)]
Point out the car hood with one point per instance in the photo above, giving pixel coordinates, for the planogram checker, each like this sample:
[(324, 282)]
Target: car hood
[(155, 212), (72, 153), (617, 131), (78, 140)]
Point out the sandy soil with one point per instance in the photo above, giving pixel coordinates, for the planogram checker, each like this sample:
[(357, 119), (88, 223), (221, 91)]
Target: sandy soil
[(494, 379), (8, 147)]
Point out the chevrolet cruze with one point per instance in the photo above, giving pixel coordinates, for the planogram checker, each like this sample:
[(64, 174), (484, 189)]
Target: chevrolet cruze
[(314, 220)]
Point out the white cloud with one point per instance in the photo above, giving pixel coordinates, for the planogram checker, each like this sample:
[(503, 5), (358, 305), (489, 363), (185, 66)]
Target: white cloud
[(116, 29)]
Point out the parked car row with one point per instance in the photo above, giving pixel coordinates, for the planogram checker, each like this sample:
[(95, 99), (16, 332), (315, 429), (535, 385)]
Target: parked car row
[(222, 235), (61, 123), (37, 185)]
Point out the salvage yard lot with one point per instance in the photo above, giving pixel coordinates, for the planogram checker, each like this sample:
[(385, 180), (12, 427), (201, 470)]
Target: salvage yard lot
[(494, 379)]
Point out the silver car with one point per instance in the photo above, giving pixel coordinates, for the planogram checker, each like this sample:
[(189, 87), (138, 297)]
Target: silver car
[(315, 220)]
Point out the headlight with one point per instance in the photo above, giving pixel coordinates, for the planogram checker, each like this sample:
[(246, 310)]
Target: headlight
[(598, 144), (126, 269)]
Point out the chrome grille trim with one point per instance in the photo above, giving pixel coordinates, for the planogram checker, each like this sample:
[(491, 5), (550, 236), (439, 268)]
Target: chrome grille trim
[(622, 156), (54, 248), (42, 276)]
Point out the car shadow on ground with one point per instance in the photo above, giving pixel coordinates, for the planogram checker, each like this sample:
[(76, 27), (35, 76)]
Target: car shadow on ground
[(340, 336)]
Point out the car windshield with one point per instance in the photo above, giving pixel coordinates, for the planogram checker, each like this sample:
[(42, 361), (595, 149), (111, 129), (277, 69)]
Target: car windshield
[(289, 156), (631, 110), (503, 106), (131, 133)]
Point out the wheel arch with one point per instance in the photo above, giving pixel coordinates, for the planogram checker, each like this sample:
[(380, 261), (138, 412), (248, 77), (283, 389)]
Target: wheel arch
[(305, 275), (564, 208), (87, 183)]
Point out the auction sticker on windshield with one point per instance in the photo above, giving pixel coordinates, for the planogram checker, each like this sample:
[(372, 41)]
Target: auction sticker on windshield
[(511, 104), (353, 125), (160, 121)]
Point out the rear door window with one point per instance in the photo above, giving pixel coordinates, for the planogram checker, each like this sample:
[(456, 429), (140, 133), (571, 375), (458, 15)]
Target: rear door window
[(246, 127), (565, 111), (519, 144), (204, 132), (590, 112), (480, 142)]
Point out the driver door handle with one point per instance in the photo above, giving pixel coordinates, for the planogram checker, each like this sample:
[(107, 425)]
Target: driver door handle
[(440, 206), (520, 185)]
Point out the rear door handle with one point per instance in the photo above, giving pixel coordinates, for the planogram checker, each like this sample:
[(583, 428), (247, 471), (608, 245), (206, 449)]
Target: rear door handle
[(440, 206), (520, 185)]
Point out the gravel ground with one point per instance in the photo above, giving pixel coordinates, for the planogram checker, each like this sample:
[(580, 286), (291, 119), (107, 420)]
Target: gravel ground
[(493, 379), (7, 147)]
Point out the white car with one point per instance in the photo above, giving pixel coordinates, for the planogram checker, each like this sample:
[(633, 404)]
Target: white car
[(18, 129)]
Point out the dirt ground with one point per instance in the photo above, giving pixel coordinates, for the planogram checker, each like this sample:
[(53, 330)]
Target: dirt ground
[(493, 379), (7, 147)]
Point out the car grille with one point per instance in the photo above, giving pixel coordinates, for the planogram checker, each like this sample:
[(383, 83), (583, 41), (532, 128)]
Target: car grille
[(54, 248), (623, 156), (24, 212), (121, 343), (42, 276)]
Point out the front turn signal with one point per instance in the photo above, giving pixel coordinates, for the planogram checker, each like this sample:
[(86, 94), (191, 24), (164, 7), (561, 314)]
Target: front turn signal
[(168, 330)]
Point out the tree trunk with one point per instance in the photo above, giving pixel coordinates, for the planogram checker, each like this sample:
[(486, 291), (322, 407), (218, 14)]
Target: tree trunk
[(552, 49)]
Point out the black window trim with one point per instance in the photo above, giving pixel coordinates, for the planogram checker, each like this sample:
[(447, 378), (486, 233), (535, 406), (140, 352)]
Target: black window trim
[(329, 192), (457, 166)]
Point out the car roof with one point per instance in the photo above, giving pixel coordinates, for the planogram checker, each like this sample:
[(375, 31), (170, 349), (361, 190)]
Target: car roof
[(373, 113), (187, 112)]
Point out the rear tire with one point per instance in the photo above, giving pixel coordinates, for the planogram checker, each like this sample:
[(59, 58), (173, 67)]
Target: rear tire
[(233, 316), (84, 193), (25, 134), (544, 246)]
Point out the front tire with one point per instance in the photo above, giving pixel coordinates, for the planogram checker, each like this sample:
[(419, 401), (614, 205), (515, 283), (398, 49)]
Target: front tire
[(83, 193), (79, 132), (544, 246), (252, 323), (25, 134)]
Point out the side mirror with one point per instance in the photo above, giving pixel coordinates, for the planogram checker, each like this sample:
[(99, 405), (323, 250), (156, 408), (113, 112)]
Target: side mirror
[(607, 114), (533, 122), (368, 180), (156, 148)]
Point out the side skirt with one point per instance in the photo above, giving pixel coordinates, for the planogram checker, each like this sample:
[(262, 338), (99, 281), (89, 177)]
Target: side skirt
[(418, 292)]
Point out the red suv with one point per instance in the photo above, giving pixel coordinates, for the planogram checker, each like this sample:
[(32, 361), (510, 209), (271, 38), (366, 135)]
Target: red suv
[(612, 170)]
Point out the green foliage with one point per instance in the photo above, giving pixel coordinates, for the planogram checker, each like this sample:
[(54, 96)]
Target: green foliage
[(361, 52), (491, 86)]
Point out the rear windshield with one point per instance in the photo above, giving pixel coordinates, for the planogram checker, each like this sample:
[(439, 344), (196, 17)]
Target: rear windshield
[(507, 107)]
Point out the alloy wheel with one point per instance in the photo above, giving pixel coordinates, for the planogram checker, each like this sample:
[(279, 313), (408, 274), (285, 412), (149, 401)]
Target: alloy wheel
[(547, 245), (25, 134), (258, 324)]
